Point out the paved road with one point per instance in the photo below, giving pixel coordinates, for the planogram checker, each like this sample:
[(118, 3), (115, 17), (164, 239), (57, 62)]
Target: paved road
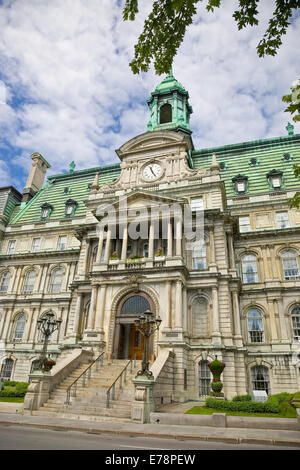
[(13, 437)]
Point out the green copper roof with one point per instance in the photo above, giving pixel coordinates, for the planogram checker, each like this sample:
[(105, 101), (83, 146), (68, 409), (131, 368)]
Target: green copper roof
[(236, 159), (169, 84), (53, 193)]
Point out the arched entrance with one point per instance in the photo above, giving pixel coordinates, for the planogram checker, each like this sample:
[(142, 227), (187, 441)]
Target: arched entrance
[(128, 341)]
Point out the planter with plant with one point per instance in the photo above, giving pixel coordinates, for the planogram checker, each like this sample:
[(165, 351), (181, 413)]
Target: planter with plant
[(160, 255), (47, 364), (114, 258), (135, 259)]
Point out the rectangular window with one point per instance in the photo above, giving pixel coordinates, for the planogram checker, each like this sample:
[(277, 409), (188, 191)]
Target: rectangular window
[(199, 256), (11, 247), (244, 223), (62, 243), (282, 219), (197, 204), (35, 244)]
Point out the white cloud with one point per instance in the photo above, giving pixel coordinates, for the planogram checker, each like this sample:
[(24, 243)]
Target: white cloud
[(72, 95)]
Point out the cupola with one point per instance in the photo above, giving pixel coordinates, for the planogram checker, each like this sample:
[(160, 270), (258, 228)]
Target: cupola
[(169, 107)]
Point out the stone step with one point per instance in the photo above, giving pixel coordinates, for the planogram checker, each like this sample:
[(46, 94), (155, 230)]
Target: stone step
[(61, 414)]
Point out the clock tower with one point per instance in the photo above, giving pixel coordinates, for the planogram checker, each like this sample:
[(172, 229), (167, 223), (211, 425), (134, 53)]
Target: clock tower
[(169, 107)]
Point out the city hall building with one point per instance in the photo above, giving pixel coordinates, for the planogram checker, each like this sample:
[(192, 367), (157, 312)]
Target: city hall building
[(235, 295)]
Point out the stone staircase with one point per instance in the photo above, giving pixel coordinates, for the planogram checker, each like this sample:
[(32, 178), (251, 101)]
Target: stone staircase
[(90, 400)]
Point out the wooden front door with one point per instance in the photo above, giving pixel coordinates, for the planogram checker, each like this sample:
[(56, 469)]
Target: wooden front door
[(136, 343)]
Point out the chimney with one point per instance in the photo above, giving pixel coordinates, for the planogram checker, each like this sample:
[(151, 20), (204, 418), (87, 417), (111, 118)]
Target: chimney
[(36, 176)]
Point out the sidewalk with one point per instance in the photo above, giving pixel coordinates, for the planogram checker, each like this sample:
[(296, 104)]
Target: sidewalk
[(202, 433)]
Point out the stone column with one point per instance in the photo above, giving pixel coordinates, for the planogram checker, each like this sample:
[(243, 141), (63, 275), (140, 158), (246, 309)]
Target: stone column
[(273, 326), (266, 267), (170, 240), (6, 325), (28, 325), (169, 304), (178, 311), (3, 322), (216, 321), (212, 255), (100, 308), (151, 240), (274, 264), (86, 256), (279, 312), (124, 244), (236, 314), (77, 314), (100, 246), (65, 279), (13, 281), (178, 242), (92, 308), (231, 251), (107, 246), (39, 278)]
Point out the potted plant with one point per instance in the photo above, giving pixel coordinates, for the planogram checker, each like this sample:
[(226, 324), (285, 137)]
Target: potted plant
[(159, 255), (135, 259), (114, 258), (48, 363), (216, 367)]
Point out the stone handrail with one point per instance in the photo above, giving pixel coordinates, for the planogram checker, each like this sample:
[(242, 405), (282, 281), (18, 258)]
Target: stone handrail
[(42, 384)]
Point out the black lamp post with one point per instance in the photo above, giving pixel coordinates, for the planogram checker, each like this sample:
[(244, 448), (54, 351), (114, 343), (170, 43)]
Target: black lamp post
[(146, 324), (47, 325)]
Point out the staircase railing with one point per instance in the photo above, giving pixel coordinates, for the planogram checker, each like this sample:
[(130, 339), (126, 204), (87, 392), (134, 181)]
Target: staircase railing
[(85, 375), (111, 392)]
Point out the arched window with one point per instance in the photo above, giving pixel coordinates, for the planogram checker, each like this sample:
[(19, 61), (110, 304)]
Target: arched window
[(19, 326), (249, 269), (135, 305), (35, 365), (199, 317), (6, 369), (199, 255), (296, 323), (29, 281), (255, 326), (290, 265), (56, 280), (4, 283), (260, 378), (205, 378), (165, 113)]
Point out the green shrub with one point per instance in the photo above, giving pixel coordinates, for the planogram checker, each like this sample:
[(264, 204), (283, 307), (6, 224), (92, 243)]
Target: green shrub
[(9, 383), (242, 397), (248, 406), (13, 389)]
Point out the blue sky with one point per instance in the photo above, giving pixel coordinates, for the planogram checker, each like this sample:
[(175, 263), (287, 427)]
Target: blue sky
[(66, 89)]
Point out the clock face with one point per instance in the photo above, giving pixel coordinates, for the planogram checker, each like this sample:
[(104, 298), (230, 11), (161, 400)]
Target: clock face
[(152, 171)]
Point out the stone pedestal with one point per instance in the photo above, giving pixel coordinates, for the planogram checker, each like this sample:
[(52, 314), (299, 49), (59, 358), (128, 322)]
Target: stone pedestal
[(38, 391), (143, 403)]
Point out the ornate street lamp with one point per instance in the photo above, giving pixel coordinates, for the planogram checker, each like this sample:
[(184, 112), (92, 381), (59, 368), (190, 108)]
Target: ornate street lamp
[(146, 324), (47, 325)]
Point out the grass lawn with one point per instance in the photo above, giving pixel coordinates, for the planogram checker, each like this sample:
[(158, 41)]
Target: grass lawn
[(203, 410), (12, 399)]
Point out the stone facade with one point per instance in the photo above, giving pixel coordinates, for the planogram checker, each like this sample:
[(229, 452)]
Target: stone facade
[(235, 298)]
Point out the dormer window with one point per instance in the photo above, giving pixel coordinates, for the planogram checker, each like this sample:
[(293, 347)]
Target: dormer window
[(223, 165), (287, 157), (66, 190), (240, 183), (254, 161), (46, 211), (275, 179), (70, 207)]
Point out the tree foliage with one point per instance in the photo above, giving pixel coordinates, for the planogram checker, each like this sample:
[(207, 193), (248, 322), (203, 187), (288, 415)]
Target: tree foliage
[(166, 25)]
